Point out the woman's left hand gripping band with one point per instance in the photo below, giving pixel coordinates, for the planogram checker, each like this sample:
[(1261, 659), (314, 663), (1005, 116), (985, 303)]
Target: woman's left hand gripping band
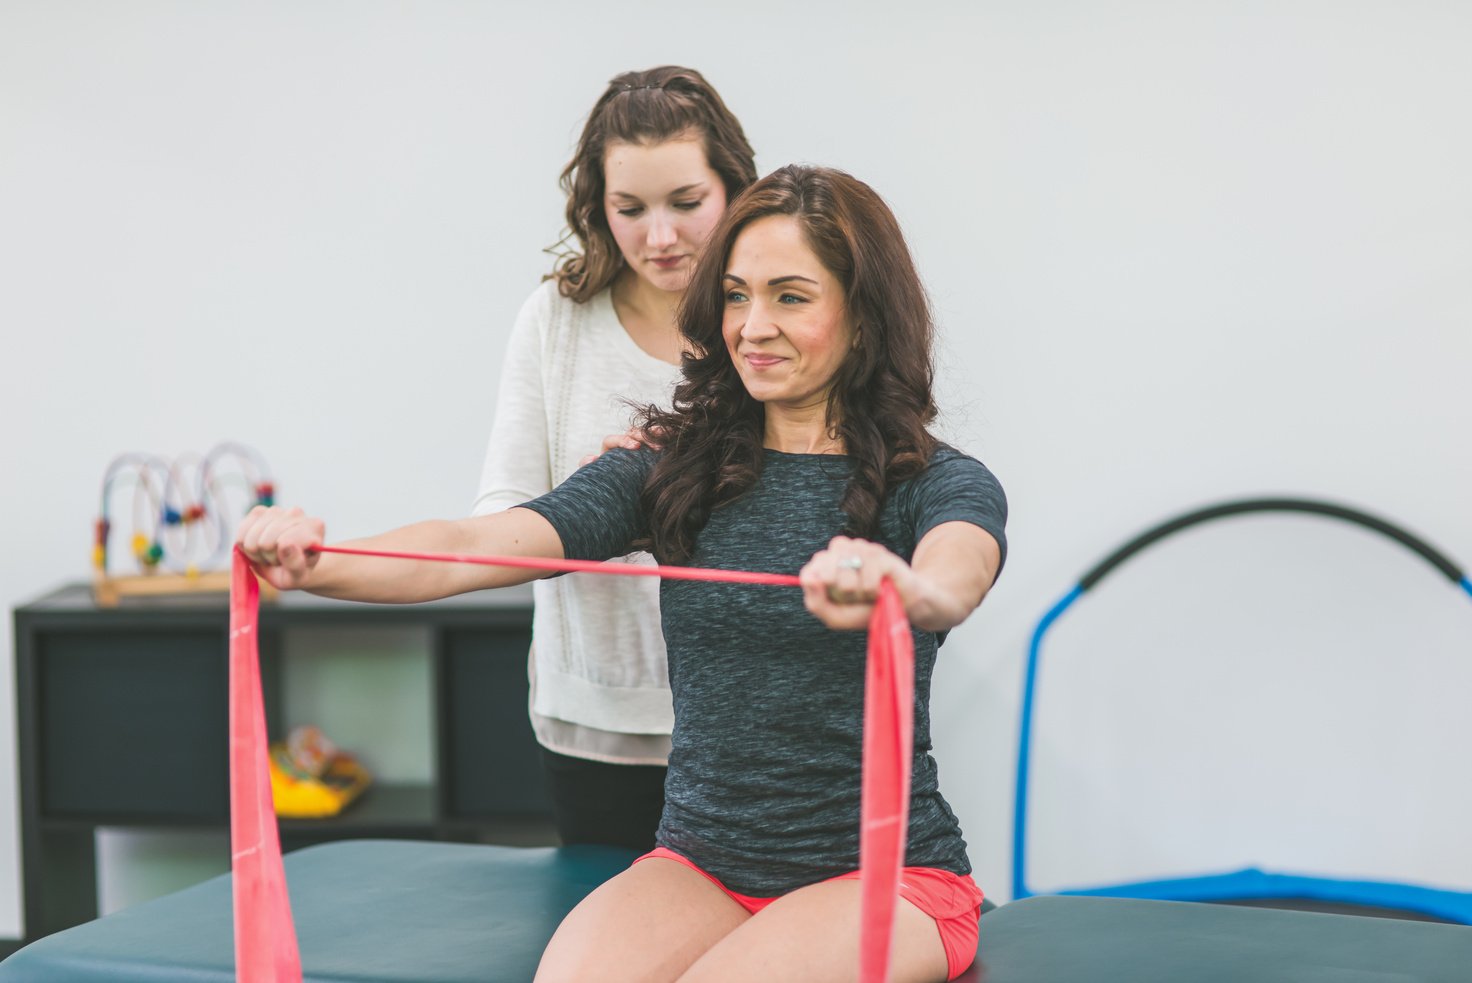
[(841, 583)]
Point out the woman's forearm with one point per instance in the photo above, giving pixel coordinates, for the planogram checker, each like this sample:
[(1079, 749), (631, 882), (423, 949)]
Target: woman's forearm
[(279, 544), (399, 581), (953, 567)]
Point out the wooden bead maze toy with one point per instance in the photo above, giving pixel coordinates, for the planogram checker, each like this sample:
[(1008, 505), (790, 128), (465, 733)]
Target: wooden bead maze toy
[(183, 519)]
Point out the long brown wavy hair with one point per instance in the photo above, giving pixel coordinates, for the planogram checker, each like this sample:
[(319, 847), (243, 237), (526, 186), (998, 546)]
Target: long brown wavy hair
[(881, 401), (645, 107)]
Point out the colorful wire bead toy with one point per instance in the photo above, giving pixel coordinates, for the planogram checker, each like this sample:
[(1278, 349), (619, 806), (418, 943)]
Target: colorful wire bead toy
[(183, 510)]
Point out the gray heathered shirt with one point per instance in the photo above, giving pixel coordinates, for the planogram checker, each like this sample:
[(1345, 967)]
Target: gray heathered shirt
[(763, 786)]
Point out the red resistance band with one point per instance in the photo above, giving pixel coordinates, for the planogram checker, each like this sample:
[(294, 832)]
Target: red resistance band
[(265, 938)]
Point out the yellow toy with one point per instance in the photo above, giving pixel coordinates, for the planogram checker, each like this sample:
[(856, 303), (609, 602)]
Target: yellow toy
[(311, 778)]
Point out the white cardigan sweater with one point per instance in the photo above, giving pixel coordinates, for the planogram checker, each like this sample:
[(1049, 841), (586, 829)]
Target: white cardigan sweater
[(599, 679)]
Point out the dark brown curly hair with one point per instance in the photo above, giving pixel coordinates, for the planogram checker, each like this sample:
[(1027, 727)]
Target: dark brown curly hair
[(639, 107), (881, 401)]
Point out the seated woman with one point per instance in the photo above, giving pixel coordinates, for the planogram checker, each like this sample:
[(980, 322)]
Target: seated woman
[(797, 440)]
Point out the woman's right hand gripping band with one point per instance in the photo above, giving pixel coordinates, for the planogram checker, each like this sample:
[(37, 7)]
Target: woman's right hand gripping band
[(276, 540)]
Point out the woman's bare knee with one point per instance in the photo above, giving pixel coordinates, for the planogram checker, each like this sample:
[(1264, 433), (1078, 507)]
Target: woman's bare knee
[(812, 935), (646, 925)]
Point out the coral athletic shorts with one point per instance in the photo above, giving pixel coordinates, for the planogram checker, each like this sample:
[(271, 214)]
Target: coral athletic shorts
[(953, 900)]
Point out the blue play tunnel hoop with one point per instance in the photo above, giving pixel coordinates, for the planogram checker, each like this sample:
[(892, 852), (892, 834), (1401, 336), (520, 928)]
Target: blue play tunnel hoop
[(1250, 883)]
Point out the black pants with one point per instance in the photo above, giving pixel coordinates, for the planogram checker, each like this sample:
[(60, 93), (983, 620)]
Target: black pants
[(596, 802)]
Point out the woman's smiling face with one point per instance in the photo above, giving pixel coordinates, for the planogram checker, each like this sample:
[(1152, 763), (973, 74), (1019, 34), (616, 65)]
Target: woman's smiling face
[(786, 324)]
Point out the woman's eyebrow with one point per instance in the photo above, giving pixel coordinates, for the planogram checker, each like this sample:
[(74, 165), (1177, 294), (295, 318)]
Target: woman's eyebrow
[(682, 189), (775, 281)]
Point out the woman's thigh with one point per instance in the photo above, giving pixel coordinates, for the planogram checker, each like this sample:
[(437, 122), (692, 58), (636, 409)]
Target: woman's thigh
[(812, 935), (645, 925)]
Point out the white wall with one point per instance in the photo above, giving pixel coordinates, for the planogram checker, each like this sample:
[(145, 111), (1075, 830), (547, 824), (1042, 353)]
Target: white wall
[(1179, 252)]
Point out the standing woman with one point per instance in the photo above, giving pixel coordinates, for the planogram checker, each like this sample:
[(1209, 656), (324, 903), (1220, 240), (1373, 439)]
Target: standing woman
[(657, 162)]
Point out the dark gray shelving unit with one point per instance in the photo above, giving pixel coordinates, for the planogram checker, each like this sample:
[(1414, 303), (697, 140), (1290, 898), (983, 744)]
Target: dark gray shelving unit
[(122, 722)]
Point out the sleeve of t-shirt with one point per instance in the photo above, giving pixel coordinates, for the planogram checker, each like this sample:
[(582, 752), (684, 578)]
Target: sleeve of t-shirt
[(518, 457), (958, 488), (596, 510)]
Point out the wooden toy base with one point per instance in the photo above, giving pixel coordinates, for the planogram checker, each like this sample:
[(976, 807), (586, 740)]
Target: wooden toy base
[(108, 591)]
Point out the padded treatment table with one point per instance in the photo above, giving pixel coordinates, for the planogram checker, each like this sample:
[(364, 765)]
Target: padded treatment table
[(1115, 940), (393, 911), (375, 911)]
